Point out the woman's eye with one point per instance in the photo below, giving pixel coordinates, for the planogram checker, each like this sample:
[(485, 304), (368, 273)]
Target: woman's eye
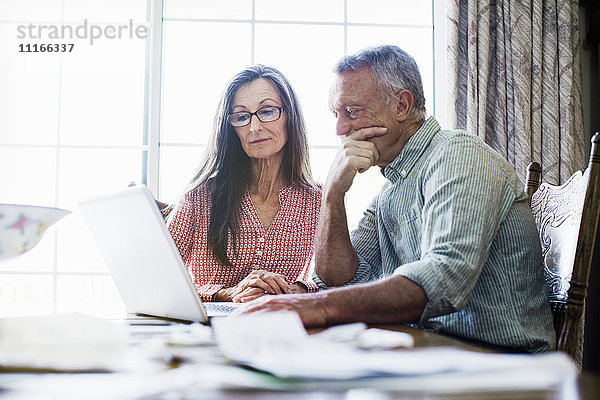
[(265, 112), (241, 118)]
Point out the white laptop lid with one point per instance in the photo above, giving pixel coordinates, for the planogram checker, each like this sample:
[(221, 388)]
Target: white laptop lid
[(141, 255)]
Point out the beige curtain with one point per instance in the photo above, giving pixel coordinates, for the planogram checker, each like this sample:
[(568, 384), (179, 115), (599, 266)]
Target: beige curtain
[(515, 80)]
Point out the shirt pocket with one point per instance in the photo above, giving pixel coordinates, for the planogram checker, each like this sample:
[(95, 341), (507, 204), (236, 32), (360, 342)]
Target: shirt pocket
[(394, 221), (403, 233)]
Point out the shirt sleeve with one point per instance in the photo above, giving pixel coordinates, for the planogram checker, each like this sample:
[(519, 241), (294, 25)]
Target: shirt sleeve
[(181, 225), (305, 276), (206, 292), (466, 194)]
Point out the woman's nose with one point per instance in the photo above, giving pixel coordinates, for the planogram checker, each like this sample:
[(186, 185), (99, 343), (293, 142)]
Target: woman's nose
[(255, 123)]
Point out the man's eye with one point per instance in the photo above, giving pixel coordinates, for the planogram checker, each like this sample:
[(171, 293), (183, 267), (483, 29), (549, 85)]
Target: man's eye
[(351, 111)]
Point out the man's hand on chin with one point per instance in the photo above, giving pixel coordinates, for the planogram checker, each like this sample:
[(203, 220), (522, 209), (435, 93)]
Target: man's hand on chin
[(355, 155)]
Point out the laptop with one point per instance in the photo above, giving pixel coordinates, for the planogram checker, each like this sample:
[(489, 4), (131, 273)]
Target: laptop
[(142, 258)]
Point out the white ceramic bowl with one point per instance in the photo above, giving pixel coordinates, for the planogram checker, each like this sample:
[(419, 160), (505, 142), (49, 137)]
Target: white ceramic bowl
[(22, 226)]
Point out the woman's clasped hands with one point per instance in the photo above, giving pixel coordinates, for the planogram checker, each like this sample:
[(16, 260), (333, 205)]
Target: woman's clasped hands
[(256, 284)]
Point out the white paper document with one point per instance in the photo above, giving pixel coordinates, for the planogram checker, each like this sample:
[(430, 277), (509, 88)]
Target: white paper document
[(278, 343), (74, 342)]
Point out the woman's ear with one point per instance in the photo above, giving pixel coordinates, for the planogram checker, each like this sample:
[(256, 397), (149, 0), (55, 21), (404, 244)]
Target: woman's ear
[(404, 105)]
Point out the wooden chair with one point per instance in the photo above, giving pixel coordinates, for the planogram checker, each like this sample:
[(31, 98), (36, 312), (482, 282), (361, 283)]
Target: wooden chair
[(164, 208), (534, 174), (567, 220)]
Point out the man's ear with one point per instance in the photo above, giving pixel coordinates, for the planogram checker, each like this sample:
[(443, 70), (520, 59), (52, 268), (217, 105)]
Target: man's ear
[(404, 105)]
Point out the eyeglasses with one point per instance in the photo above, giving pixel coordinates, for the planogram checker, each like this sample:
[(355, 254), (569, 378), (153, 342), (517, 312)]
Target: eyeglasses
[(265, 114)]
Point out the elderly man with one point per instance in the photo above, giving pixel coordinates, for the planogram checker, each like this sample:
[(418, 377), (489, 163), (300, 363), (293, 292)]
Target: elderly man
[(449, 243)]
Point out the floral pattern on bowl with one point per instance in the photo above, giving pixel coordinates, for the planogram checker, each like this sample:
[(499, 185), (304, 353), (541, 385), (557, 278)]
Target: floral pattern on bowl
[(22, 226)]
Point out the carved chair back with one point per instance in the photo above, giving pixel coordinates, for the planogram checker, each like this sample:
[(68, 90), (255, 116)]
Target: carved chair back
[(567, 220), (534, 176)]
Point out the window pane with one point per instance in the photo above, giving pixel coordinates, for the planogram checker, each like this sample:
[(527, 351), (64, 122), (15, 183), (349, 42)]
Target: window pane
[(94, 295), (85, 173), (308, 67), (30, 10), (177, 167), (103, 92), (208, 9), (29, 92), (105, 10), (418, 42), (306, 10), (28, 176), (195, 73), (23, 295), (361, 194), (77, 250), (320, 162), (390, 12)]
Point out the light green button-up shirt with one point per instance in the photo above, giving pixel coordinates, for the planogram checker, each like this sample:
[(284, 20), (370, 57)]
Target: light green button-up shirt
[(454, 218)]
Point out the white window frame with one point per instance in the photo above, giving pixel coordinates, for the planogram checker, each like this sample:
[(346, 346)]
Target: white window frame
[(154, 77)]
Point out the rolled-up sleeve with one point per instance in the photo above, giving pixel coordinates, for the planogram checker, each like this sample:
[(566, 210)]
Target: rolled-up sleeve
[(206, 292), (305, 276)]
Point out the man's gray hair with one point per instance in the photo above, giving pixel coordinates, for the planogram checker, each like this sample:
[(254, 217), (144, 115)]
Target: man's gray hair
[(393, 68)]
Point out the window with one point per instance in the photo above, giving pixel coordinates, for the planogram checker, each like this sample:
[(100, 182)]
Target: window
[(71, 125), (140, 108), (206, 43)]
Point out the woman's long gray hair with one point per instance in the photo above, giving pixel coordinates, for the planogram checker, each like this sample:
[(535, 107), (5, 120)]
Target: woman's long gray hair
[(226, 167)]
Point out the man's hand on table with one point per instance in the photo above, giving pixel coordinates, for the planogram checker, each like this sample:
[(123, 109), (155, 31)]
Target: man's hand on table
[(309, 308)]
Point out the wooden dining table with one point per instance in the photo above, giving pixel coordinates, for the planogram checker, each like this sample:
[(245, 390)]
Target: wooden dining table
[(585, 387)]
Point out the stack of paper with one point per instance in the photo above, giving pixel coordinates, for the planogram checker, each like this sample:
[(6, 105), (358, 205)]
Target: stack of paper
[(277, 343), (61, 342)]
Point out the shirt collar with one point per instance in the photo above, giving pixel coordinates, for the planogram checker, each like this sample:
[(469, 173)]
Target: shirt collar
[(412, 151)]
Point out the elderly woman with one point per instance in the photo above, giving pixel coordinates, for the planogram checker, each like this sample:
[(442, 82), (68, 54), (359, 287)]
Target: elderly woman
[(245, 227)]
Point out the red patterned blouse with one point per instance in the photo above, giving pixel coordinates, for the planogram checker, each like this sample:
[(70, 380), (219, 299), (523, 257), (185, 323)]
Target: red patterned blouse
[(286, 248)]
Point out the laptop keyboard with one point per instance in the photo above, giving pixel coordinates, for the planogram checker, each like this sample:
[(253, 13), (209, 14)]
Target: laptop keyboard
[(219, 308)]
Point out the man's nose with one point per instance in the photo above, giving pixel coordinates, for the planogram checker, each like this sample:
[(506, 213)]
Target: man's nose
[(342, 127)]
